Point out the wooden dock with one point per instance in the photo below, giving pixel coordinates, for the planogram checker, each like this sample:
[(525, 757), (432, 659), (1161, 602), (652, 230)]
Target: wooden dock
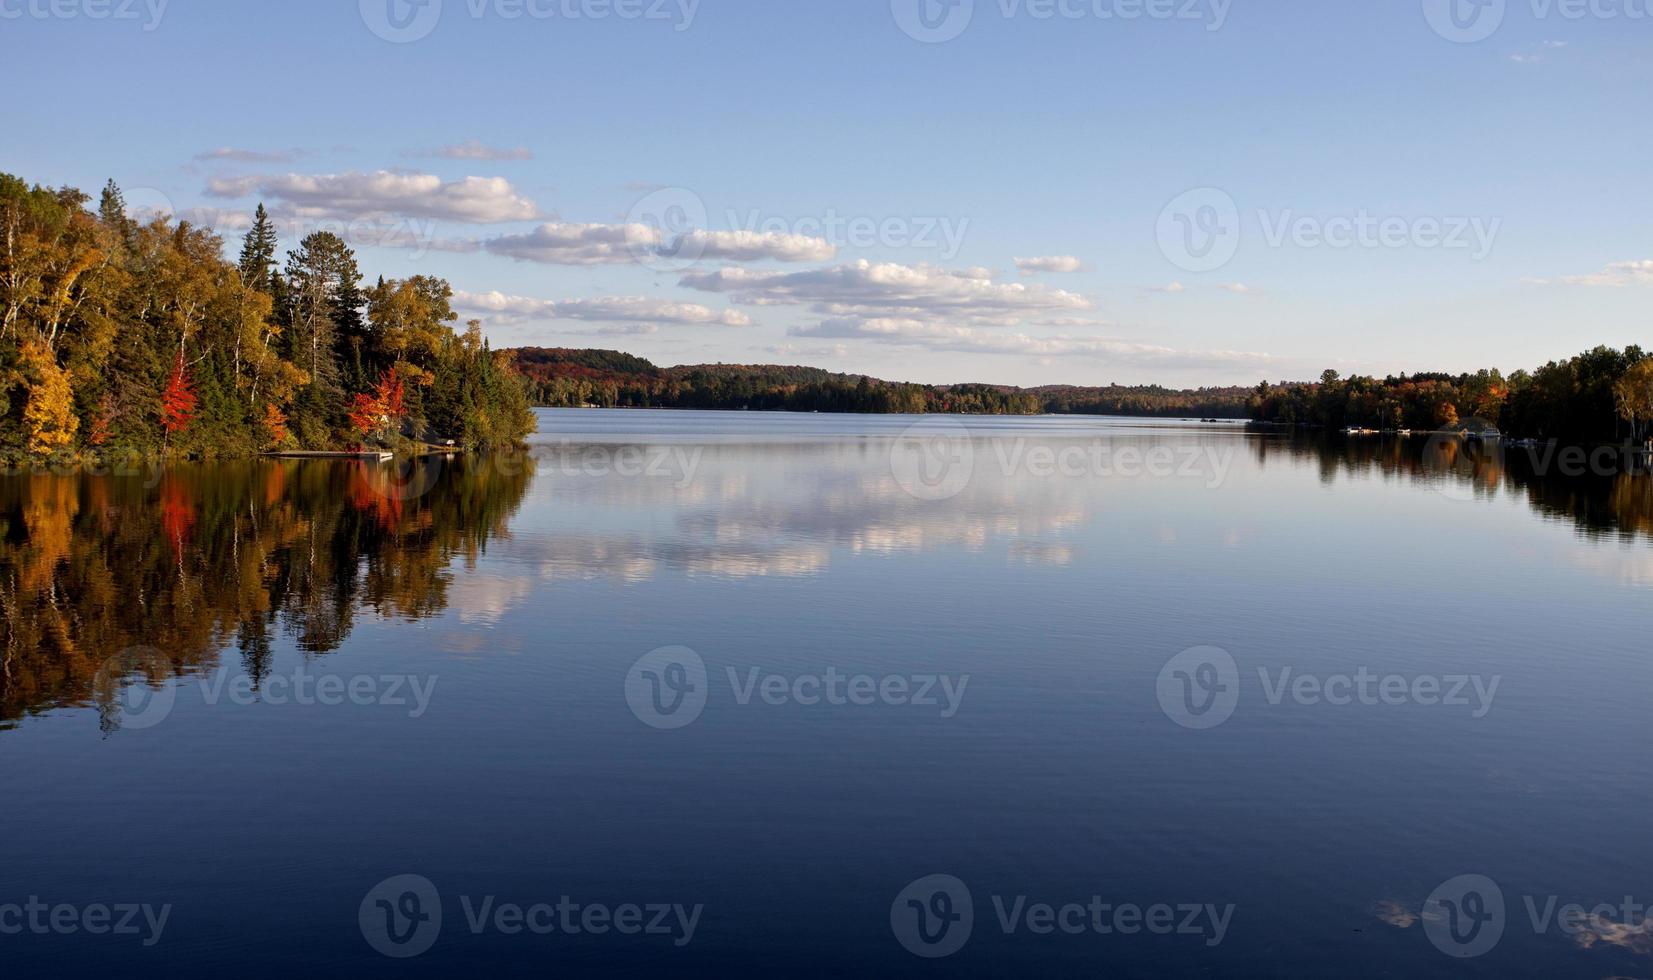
[(376, 454)]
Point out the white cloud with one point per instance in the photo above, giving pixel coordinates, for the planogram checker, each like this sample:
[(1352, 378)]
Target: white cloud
[(889, 290), (609, 309), (233, 154), (1172, 289), (944, 337), (347, 196), (753, 246), (474, 150), (1240, 289), (1049, 263), (1616, 275), (794, 350), (561, 243)]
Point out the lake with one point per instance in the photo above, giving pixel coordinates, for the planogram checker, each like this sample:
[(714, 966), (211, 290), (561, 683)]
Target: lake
[(685, 693)]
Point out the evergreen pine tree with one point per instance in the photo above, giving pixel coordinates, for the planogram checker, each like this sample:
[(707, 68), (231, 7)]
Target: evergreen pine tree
[(258, 252)]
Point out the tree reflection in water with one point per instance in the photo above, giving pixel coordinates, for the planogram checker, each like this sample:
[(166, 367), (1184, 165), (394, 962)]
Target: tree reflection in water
[(213, 557)]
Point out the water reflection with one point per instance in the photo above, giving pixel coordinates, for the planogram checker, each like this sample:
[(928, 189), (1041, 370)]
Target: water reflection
[(228, 557), (1614, 498), (215, 557)]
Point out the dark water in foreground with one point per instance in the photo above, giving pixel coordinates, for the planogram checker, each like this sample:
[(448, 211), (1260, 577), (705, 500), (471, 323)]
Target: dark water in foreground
[(727, 693)]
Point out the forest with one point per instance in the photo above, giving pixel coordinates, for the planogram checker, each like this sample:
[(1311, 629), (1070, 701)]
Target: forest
[(123, 339), (1601, 396), (560, 378)]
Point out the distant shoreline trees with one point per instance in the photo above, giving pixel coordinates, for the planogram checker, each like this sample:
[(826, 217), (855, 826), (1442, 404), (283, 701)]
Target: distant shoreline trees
[(121, 338), (564, 378), (1601, 396)]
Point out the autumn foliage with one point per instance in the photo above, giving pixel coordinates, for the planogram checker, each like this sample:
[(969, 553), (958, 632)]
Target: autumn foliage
[(178, 399), (275, 424), (384, 407)]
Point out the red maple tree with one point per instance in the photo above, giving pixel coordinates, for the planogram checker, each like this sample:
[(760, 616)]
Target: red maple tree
[(178, 399)]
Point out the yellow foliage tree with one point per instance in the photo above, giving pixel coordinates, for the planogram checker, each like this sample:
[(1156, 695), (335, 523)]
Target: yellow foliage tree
[(50, 412)]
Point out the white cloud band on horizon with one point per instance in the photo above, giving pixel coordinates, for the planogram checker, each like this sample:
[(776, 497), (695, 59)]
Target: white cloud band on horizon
[(507, 309), (565, 243), (473, 149), (970, 340), (1049, 263), (1616, 275), (865, 288), (233, 154), (353, 195)]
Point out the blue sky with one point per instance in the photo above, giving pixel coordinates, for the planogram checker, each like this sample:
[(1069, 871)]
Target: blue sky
[(806, 182)]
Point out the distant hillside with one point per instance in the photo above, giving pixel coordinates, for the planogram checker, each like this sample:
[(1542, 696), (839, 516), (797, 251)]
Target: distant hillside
[(567, 378)]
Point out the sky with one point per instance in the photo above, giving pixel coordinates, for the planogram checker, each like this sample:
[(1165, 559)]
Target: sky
[(1185, 192)]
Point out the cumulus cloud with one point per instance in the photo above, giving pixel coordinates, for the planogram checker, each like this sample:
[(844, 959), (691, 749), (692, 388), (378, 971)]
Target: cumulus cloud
[(232, 154), (1617, 275), (347, 196), (866, 289), (1049, 263), (474, 150), (1172, 289), (561, 243), (610, 309), (1240, 289), (923, 335), (753, 246)]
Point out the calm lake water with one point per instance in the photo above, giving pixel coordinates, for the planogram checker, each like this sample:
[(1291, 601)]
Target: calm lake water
[(711, 694)]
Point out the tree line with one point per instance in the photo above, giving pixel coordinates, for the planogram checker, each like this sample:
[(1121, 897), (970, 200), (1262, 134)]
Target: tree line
[(563, 378), (125, 337), (1600, 396)]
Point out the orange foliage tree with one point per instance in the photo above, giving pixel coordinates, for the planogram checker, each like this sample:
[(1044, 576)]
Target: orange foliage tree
[(275, 423), (384, 407)]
